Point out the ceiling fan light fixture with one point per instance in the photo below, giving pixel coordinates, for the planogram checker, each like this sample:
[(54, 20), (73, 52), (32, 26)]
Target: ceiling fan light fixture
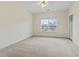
[(44, 4)]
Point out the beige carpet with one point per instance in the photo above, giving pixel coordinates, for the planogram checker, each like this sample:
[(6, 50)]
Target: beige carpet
[(41, 47)]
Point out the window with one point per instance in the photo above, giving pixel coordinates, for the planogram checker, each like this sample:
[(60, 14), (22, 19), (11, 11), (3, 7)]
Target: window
[(48, 25)]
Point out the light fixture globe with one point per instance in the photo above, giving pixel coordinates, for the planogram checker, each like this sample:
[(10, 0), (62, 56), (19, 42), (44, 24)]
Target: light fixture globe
[(43, 4)]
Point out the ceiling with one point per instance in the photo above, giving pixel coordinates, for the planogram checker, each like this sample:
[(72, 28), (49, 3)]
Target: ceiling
[(34, 7)]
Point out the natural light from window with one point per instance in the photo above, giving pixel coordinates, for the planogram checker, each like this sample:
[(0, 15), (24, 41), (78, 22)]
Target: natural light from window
[(48, 25)]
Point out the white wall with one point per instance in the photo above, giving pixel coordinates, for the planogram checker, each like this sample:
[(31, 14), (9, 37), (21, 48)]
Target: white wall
[(75, 11), (62, 28), (15, 23)]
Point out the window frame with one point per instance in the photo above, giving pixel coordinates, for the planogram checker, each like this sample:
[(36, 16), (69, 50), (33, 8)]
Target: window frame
[(48, 25)]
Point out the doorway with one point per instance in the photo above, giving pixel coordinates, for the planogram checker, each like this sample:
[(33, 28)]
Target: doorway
[(70, 26)]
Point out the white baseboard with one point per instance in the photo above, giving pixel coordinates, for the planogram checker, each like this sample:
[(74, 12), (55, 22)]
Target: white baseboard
[(14, 42), (50, 36)]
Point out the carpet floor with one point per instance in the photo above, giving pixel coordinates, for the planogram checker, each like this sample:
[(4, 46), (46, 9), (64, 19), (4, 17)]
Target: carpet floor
[(41, 47)]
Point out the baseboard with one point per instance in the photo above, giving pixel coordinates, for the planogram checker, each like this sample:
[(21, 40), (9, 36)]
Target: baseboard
[(5, 46), (50, 36)]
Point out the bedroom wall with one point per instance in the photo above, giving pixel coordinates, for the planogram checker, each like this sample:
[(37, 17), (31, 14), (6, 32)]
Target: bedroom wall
[(15, 23), (62, 27), (75, 11)]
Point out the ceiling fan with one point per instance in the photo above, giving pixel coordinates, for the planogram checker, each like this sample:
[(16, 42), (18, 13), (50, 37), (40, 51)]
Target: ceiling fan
[(44, 3)]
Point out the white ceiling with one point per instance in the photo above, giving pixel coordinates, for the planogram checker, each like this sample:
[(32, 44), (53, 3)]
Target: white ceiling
[(34, 6)]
